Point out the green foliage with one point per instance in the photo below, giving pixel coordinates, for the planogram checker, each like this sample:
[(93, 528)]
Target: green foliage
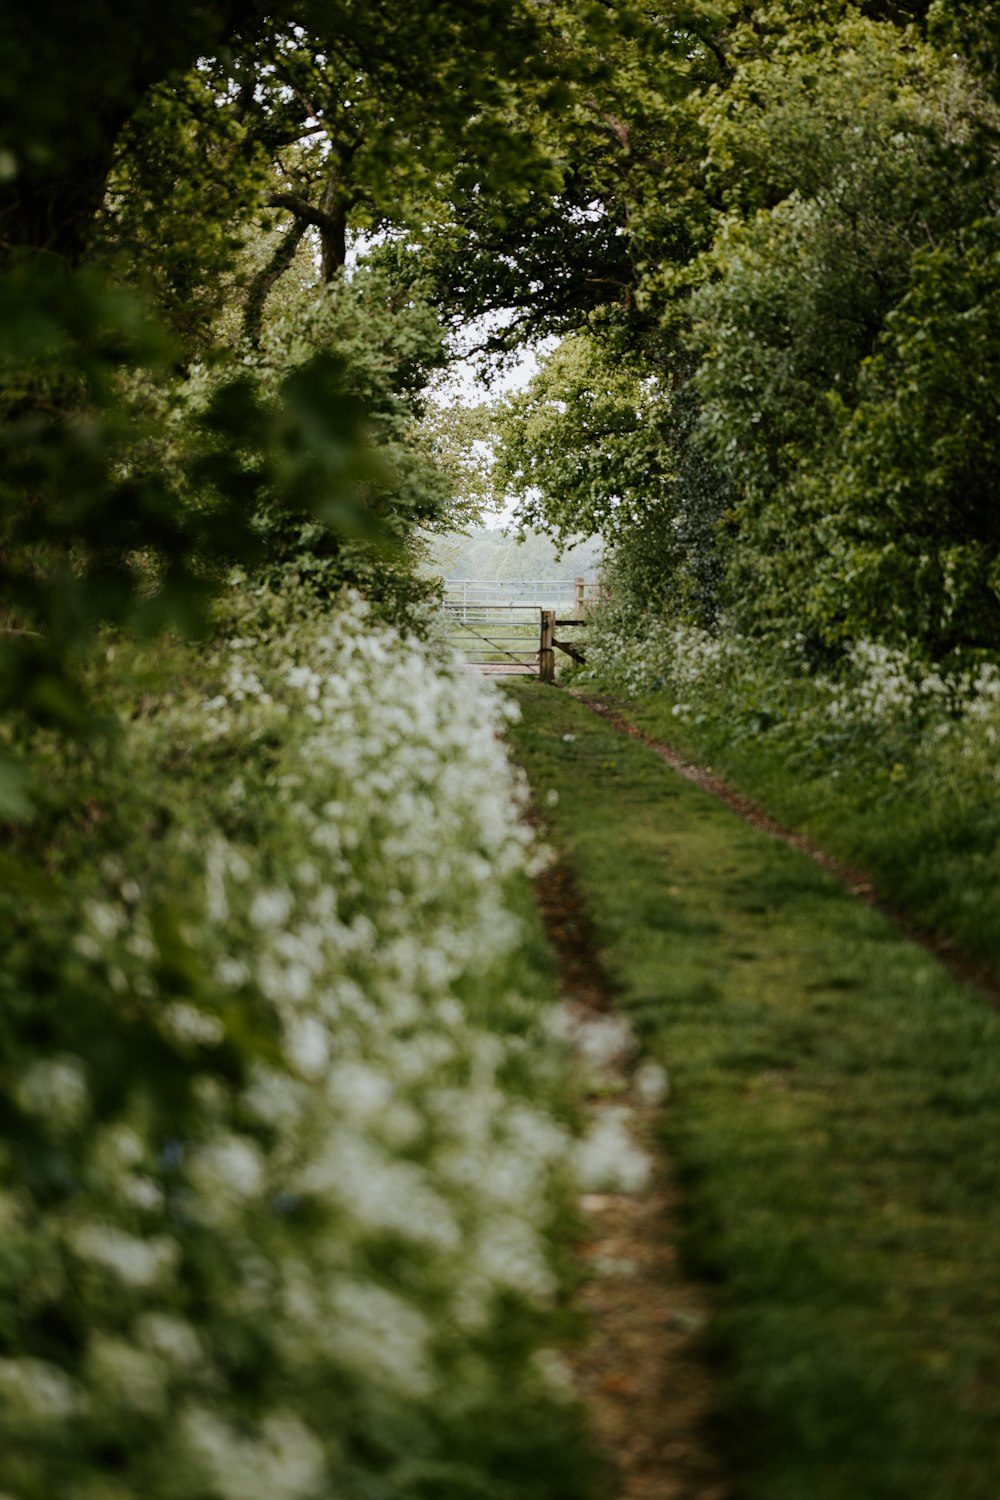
[(286, 1167), (97, 531), (580, 448), (805, 295), (584, 245), (187, 176), (797, 174), (461, 440), (917, 535), (70, 81), (84, 537), (791, 171), (386, 343), (160, 151), (974, 27), (601, 446)]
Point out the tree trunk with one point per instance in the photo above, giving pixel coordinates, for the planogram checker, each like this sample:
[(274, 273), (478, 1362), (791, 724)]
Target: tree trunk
[(333, 231)]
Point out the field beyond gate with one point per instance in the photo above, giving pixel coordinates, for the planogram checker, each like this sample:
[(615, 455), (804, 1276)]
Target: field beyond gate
[(496, 625)]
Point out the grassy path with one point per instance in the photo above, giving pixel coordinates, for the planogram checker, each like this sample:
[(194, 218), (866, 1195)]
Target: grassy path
[(640, 1372), (966, 969), (835, 1119)]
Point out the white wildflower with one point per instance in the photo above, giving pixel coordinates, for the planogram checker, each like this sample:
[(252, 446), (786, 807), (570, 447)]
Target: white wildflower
[(307, 1043), (230, 1166), (105, 920), (607, 1159), (557, 1373), (173, 1339), (126, 1377), (283, 1462), (55, 1089), (652, 1084), (375, 1332), (186, 1023), (231, 973), (602, 1040), (271, 908), (510, 1254), (33, 1390), (136, 1262)]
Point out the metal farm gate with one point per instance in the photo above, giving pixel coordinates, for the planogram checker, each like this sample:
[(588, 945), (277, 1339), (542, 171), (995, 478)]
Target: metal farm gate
[(506, 628)]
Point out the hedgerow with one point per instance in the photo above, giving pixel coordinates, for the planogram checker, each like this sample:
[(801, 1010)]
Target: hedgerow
[(289, 1139), (878, 703)]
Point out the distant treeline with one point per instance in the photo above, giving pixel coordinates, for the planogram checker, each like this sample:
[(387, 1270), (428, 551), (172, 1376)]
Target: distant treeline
[(507, 555)]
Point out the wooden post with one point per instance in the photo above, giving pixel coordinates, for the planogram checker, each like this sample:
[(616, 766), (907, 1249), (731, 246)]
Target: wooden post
[(578, 597), (546, 651)]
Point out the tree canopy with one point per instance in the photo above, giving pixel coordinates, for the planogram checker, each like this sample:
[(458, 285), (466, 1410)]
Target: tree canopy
[(766, 200), (760, 239)]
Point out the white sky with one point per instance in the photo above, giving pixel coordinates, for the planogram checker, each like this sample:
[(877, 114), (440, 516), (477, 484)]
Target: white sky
[(474, 379), (469, 381)]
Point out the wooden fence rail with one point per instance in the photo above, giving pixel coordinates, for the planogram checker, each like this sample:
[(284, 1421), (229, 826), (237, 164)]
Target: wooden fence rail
[(548, 645)]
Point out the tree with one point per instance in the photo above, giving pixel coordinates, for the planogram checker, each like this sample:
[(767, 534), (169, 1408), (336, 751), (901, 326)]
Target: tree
[(600, 446), (71, 79), (910, 492), (843, 168), (183, 116), (579, 446)]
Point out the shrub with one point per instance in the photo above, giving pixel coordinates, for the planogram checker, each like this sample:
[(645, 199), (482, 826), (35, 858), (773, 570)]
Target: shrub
[(288, 1150)]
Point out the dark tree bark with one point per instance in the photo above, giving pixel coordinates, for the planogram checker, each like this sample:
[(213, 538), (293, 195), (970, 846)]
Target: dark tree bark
[(330, 215), (333, 233)]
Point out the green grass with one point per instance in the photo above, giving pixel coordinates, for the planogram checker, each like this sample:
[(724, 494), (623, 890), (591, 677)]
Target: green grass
[(835, 1118), (928, 834)]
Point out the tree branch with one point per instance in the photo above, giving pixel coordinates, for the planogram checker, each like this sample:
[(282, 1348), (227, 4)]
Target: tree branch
[(716, 50), (301, 208), (618, 127), (284, 254)]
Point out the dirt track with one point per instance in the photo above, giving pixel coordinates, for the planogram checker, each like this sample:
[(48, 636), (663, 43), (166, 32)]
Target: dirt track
[(641, 1373)]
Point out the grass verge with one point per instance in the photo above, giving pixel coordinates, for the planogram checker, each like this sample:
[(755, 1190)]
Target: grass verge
[(835, 1120), (926, 830)]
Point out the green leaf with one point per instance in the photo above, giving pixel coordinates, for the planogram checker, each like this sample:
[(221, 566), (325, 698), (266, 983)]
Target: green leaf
[(15, 798)]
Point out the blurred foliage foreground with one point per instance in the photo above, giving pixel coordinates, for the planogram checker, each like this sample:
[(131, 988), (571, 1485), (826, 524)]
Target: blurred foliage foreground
[(289, 1149)]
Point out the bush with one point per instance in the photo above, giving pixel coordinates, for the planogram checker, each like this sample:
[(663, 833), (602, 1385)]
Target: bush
[(287, 1170), (879, 704)]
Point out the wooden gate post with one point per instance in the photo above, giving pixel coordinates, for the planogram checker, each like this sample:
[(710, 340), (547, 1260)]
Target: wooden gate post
[(546, 651), (578, 597)]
